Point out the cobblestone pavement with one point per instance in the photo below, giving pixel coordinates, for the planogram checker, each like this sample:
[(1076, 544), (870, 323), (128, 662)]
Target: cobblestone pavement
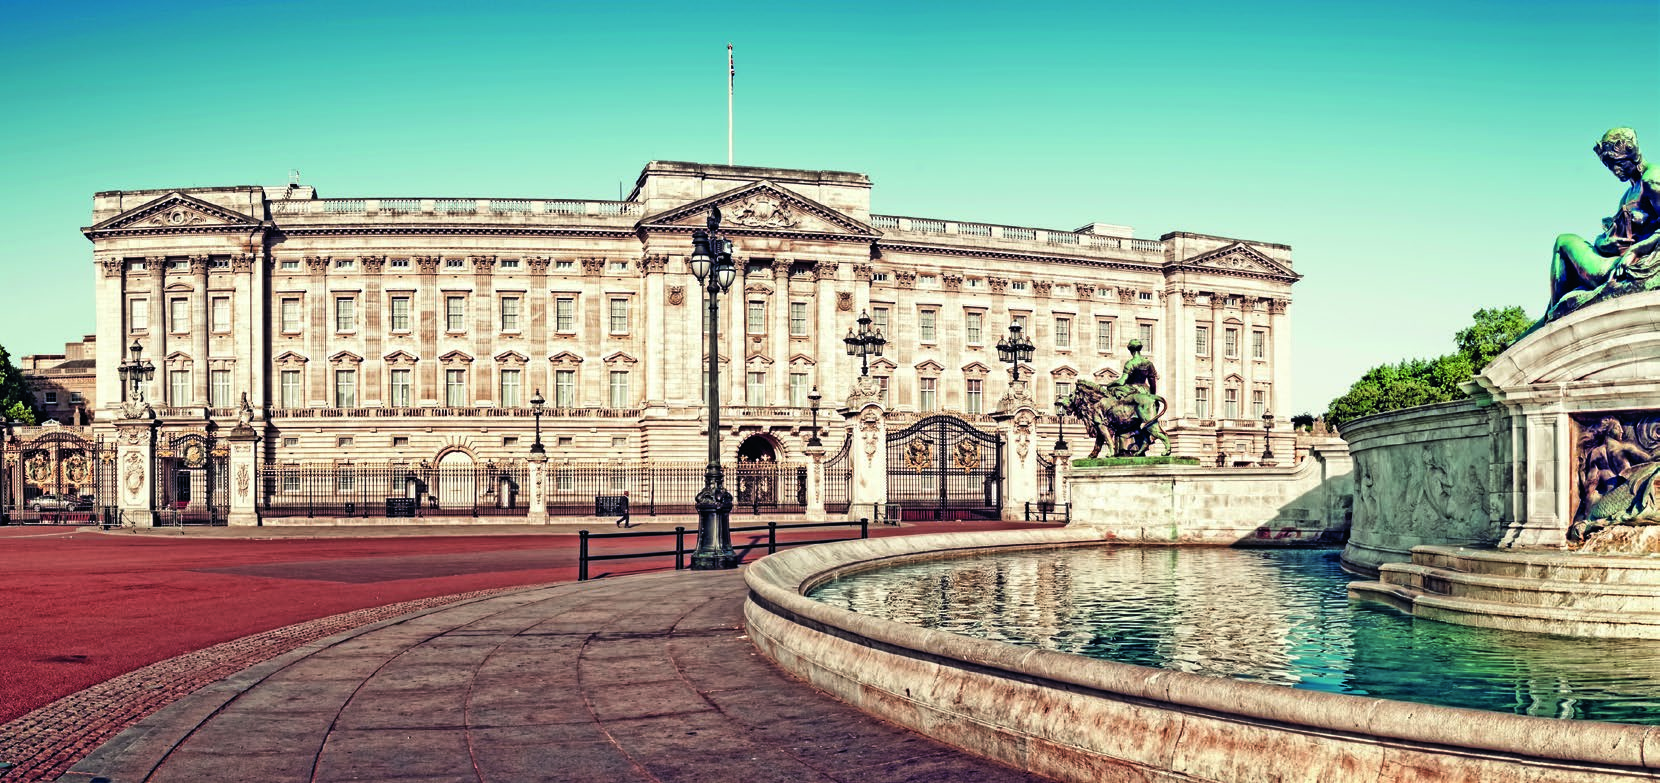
[(647, 678)]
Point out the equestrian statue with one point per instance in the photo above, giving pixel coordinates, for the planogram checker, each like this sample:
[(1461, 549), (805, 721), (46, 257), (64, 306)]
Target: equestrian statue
[(1128, 409)]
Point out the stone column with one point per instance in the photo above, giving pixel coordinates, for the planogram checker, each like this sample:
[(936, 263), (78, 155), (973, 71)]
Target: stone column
[(868, 422), (1279, 356), (656, 332), (1546, 440), (250, 322), (157, 347), (1185, 325), (199, 369), (537, 298), (815, 483), (485, 328), (111, 348), (736, 311), (538, 489), (372, 387), (135, 460), (244, 477), (595, 312), (825, 334), (427, 312), (1016, 418), (1063, 472), (316, 326), (778, 333)]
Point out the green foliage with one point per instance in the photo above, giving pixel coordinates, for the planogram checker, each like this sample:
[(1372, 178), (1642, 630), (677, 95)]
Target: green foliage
[(16, 401), (1302, 421), (1111, 462), (1412, 382)]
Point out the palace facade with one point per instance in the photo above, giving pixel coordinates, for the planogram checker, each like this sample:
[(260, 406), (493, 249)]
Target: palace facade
[(419, 328)]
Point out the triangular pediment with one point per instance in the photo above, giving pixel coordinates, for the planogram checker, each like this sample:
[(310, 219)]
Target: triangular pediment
[(758, 360), (177, 212), (975, 367), (620, 357), (1064, 371), (929, 365), (346, 357), (1106, 373), (456, 356), (1242, 260), (399, 357), (507, 357), (764, 208), (883, 364), (802, 360), (565, 357), (289, 358)]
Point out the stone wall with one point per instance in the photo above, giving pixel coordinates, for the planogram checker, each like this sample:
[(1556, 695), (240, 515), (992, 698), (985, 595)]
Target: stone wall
[(1300, 504)]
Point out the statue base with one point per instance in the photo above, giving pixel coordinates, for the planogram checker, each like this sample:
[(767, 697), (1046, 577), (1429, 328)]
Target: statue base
[(1117, 462)]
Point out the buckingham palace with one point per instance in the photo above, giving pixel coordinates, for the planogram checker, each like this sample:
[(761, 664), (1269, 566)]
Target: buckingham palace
[(418, 329)]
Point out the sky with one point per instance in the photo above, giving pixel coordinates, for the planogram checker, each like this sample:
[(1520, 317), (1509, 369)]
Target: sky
[(1419, 157)]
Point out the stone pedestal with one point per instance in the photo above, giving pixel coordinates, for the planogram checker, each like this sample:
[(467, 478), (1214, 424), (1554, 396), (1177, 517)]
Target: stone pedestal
[(870, 457), (1063, 468), (815, 483), (1016, 421), (538, 480), (135, 460), (244, 477)]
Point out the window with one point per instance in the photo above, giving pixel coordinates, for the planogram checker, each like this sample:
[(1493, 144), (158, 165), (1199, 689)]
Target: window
[(345, 263), (455, 313), (178, 315), (564, 314), (1259, 402), (291, 315), (291, 389), (566, 481), (879, 319), (882, 381), (400, 441), (454, 263), (51, 398), (219, 388), (1063, 390), (401, 381), (879, 277), (345, 314), (510, 263), (1103, 336), (565, 441), (1018, 285), (509, 440), (398, 263), (1230, 403), (972, 396), (756, 320), (925, 399), (619, 316), (178, 264), (755, 388), (619, 441), (1147, 338), (343, 440), (972, 323), (1201, 402), (510, 397), (292, 441), (400, 313), (178, 387), (290, 479), (925, 323), (798, 319), (566, 264), (1145, 296), (1230, 342), (138, 315), (1201, 340), (928, 280), (798, 389), (345, 388), (289, 264), (1259, 344), (455, 388), (620, 397), (510, 314), (564, 388), (219, 262), (619, 266), (1063, 332), (220, 312), (75, 398)]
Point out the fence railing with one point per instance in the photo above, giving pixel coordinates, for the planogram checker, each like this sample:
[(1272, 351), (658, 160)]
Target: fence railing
[(453, 206), (1045, 236), (1048, 511), (395, 489), (671, 488), (771, 544)]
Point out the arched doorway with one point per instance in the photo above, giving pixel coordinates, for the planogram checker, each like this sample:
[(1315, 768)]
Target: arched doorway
[(456, 479), (755, 477), (757, 448)]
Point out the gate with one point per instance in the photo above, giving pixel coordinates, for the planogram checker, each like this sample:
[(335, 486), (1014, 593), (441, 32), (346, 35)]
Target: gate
[(943, 468), (58, 477), (838, 478), (192, 484)]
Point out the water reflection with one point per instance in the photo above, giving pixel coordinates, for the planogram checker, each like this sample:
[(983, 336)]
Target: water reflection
[(1280, 617)]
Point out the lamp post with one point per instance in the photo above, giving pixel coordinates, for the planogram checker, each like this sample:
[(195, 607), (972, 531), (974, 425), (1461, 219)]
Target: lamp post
[(1060, 417), (1014, 349), (711, 262), (813, 398), (536, 403), (864, 343), (136, 370), (1267, 429)]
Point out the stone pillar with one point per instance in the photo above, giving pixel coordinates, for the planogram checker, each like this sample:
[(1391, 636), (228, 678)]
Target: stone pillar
[(536, 301), (868, 422), (538, 490), (427, 312), (135, 460), (372, 387), (778, 334), (199, 327), (1063, 472), (316, 330), (1016, 418), (1544, 445), (736, 336), (244, 468), (825, 335), (156, 348), (815, 483), (484, 330), (652, 267)]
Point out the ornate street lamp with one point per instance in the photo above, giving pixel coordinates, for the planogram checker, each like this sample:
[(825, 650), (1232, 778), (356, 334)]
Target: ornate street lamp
[(864, 343), (711, 263), (1060, 416), (1014, 349), (536, 403), (813, 398), (1267, 429), (136, 370)]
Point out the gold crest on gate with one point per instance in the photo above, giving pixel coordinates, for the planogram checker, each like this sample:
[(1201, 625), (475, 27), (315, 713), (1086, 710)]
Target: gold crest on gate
[(966, 456), (919, 455)]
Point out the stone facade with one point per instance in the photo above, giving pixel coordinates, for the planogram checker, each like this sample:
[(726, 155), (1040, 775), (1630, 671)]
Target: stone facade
[(64, 384), (408, 328)]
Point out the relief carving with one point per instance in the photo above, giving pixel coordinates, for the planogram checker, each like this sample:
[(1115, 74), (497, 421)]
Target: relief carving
[(242, 263), (953, 282), (538, 264), (861, 272), (677, 295), (764, 211), (317, 264), (593, 266), (904, 279), (1042, 287), (1084, 290), (112, 266), (844, 301), (243, 479), (483, 264), (427, 264), (825, 270), (653, 263), (372, 264), (870, 428), (997, 285), (132, 473)]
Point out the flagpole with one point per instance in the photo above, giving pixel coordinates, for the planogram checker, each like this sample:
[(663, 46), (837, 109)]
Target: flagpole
[(731, 76)]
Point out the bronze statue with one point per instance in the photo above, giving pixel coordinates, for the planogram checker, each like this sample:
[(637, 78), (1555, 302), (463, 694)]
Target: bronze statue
[(1621, 259), (1128, 410)]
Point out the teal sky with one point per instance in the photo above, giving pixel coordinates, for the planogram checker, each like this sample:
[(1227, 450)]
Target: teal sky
[(1418, 156)]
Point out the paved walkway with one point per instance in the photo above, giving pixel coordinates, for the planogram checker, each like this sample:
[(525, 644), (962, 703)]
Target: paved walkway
[(645, 678)]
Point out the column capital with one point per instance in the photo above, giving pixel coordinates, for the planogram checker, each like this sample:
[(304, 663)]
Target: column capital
[(1086, 291), (593, 266), (242, 263), (198, 265), (112, 266), (862, 272), (538, 264), (997, 285), (652, 263), (825, 270), (317, 264), (427, 264), (1042, 288), (372, 264), (483, 265), (952, 282)]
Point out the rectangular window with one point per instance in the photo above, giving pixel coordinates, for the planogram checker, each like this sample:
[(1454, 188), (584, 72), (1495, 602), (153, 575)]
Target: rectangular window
[(289, 264), (1147, 338), (455, 388), (1230, 342), (755, 322), (138, 315), (401, 384), (219, 388), (291, 389), (1063, 390), (1259, 344), (972, 397), (510, 314), (619, 441), (291, 315), (343, 441), (1103, 336), (1021, 321), (883, 382), (455, 313), (400, 313), (290, 479), (755, 389), (925, 397), (510, 397), (1259, 403), (75, 398), (1201, 402), (620, 398), (178, 387), (564, 388), (178, 315), (619, 316), (221, 313), (1063, 332), (51, 398), (798, 319), (564, 314), (925, 325), (972, 322), (879, 319), (400, 441), (564, 265), (1230, 403), (398, 263), (345, 263), (798, 390), (345, 388), (1201, 340), (345, 314), (510, 263)]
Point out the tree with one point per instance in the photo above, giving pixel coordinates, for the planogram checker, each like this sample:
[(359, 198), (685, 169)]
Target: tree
[(1493, 331), (1413, 382), (1302, 421), (16, 401)]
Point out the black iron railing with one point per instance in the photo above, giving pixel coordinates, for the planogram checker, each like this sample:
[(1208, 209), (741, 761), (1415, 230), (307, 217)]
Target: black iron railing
[(771, 544)]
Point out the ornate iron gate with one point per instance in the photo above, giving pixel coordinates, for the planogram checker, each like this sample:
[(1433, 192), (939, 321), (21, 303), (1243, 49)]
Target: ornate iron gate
[(58, 477), (944, 468), (838, 478), (192, 484)]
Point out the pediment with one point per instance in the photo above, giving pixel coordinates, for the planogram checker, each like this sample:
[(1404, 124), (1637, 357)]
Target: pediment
[(762, 207), (508, 357), (1106, 373), (456, 356), (883, 364), (929, 366), (565, 357), (620, 358), (802, 360), (758, 359), (346, 357), (399, 357), (176, 356), (177, 212), (974, 367), (1241, 260), (180, 288), (290, 358), (1064, 371)]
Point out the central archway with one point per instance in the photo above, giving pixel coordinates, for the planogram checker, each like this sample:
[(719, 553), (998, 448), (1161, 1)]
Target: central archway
[(455, 480), (757, 448)]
